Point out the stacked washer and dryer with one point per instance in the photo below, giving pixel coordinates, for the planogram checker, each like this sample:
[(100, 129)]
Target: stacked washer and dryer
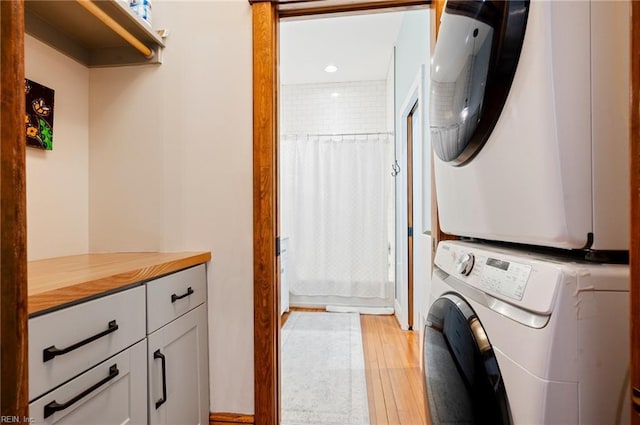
[(528, 320)]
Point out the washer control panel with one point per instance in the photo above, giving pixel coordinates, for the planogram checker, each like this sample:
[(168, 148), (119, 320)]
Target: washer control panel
[(493, 273), (505, 277), (519, 278)]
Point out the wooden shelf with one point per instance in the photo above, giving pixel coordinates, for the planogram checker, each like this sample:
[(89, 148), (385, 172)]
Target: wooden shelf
[(68, 27)]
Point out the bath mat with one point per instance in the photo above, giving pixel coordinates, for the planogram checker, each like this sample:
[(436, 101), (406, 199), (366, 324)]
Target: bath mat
[(322, 370), (361, 310)]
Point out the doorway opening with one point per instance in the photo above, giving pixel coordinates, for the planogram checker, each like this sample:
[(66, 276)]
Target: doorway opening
[(348, 155), (336, 149), (266, 214)]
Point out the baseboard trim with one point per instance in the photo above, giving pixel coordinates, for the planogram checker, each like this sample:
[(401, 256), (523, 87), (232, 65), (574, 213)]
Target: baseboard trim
[(223, 418)]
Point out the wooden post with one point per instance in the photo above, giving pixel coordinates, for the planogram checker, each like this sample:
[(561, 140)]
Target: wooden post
[(634, 249), (14, 393), (265, 223)]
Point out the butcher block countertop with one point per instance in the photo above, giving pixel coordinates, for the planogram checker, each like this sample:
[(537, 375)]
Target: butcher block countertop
[(54, 282)]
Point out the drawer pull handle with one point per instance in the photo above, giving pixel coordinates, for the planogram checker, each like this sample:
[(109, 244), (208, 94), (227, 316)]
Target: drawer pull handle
[(51, 352), (159, 355), (54, 406), (175, 297)]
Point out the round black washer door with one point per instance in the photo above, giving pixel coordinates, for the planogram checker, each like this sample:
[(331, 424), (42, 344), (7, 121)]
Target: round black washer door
[(472, 68), (464, 384)]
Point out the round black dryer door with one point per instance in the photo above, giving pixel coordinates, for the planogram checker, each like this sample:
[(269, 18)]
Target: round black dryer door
[(464, 384), (475, 60)]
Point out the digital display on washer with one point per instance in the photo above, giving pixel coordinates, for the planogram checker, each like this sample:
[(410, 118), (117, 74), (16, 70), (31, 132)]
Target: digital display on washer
[(505, 278), (504, 265)]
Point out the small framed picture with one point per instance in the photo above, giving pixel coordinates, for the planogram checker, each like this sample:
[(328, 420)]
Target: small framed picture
[(38, 117)]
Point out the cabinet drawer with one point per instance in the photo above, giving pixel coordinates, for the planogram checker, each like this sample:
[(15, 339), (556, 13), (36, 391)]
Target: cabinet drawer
[(171, 296), (114, 392), (64, 343)]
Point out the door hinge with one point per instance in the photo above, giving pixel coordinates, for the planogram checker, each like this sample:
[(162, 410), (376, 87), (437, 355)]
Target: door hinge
[(410, 232), (278, 246)]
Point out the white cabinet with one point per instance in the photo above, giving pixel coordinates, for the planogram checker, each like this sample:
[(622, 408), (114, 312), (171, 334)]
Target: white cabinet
[(171, 296), (88, 362), (177, 352), (65, 343), (138, 356), (179, 372), (113, 392)]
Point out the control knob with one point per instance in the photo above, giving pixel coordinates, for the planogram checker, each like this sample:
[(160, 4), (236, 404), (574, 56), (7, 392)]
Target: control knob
[(465, 264)]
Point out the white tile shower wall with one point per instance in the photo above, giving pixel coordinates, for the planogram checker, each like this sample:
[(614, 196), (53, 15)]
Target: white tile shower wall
[(334, 108)]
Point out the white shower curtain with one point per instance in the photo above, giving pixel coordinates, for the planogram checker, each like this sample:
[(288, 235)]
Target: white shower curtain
[(335, 203)]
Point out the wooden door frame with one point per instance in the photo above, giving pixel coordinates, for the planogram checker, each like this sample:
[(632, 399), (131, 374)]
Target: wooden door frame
[(410, 225), (266, 297), (14, 393), (634, 248), (266, 300)]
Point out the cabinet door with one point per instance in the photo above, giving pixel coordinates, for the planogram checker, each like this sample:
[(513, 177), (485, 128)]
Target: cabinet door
[(112, 393), (179, 372)]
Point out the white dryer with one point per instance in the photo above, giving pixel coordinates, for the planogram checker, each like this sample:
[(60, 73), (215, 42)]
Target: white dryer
[(529, 122), (516, 338)]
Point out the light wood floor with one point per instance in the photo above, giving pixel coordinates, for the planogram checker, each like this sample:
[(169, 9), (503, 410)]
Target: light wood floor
[(395, 384)]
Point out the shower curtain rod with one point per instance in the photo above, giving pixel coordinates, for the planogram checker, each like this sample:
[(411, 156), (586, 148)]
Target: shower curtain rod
[(387, 133)]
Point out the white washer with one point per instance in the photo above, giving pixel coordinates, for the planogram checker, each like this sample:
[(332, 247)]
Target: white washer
[(517, 338), (531, 137)]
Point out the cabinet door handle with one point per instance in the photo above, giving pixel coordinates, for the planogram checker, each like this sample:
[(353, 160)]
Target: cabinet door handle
[(163, 359), (175, 297), (54, 406), (51, 352)]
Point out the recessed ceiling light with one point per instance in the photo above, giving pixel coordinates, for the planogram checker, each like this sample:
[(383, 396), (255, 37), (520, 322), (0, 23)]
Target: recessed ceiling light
[(335, 94), (331, 68)]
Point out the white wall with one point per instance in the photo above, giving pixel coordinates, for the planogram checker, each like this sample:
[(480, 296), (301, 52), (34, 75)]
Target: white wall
[(413, 53), (171, 169), (412, 49), (57, 180)]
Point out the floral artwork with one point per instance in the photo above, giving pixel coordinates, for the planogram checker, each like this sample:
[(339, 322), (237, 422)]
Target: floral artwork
[(38, 118)]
